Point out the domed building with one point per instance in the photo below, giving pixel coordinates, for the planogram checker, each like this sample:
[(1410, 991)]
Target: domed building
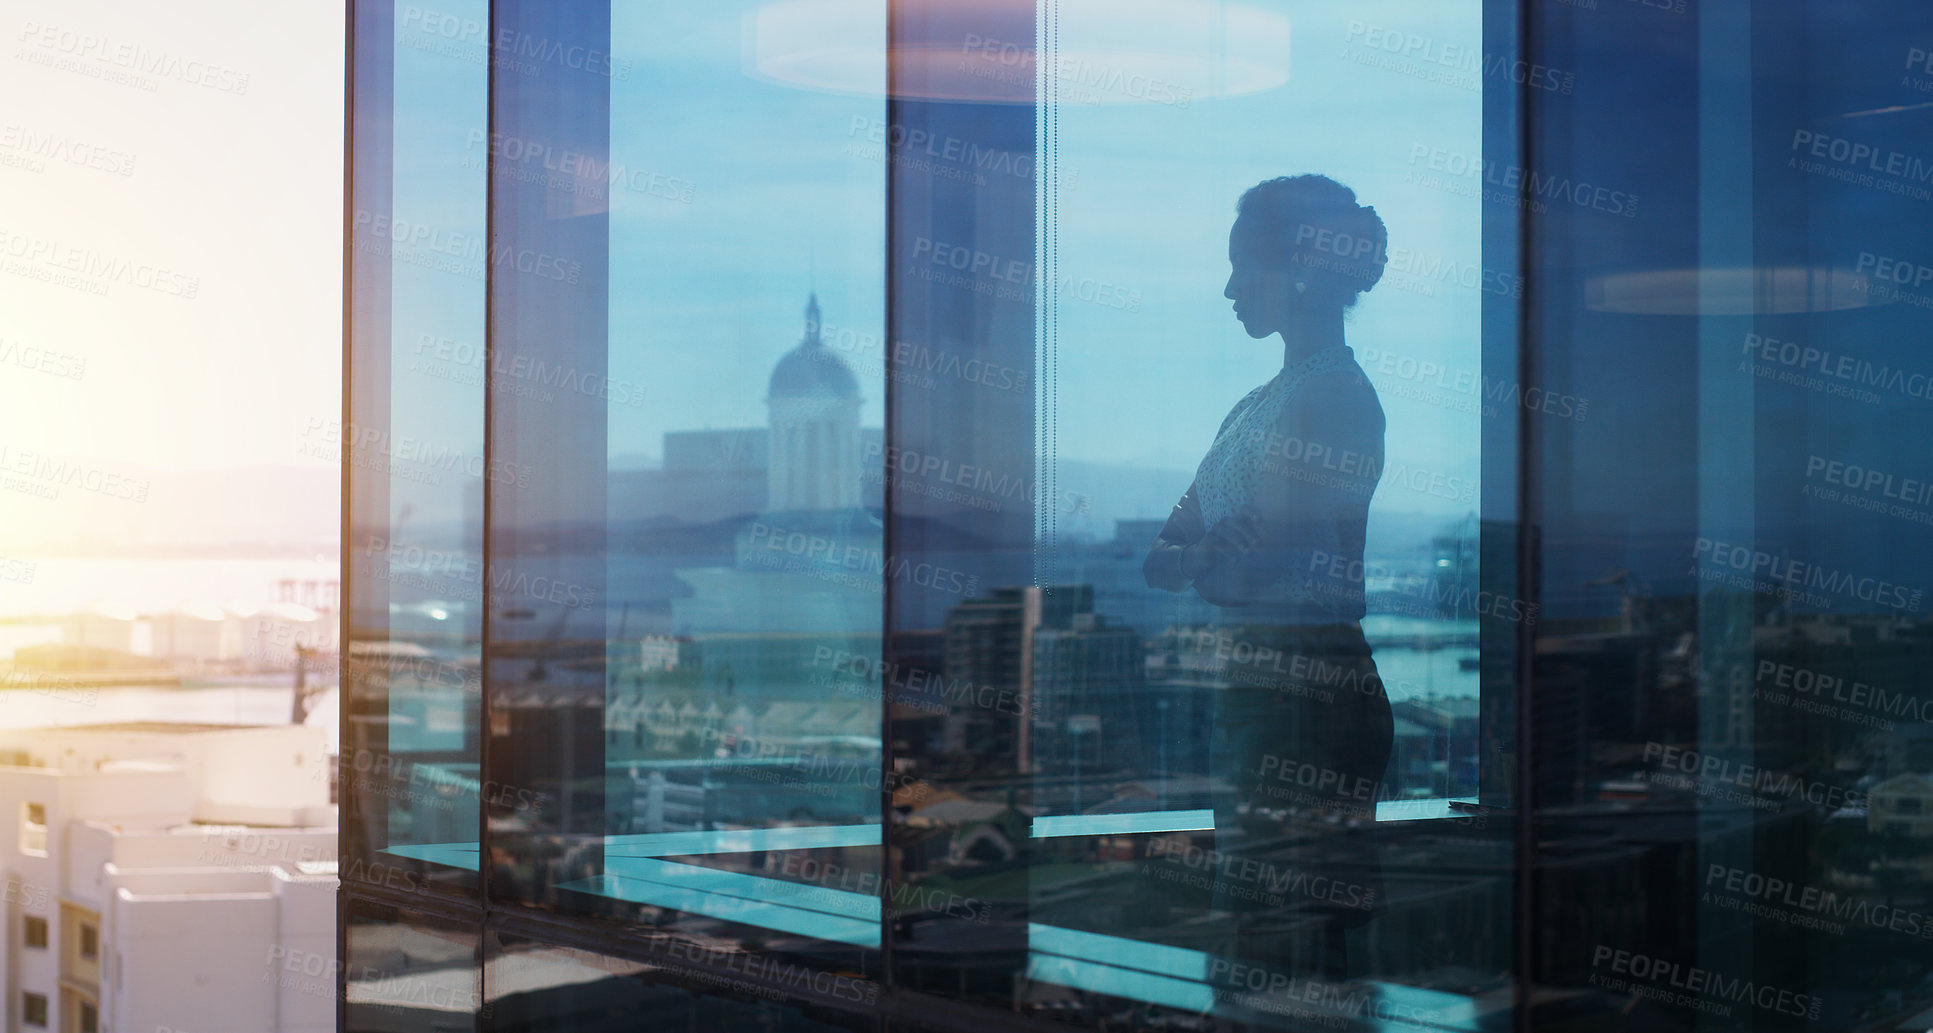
[(812, 405), (809, 457), (757, 622)]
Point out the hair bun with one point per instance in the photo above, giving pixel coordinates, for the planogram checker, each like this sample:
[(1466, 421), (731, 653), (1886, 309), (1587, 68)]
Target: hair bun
[(1317, 222)]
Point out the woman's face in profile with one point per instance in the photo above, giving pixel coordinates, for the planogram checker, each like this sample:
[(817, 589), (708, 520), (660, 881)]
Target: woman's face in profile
[(1261, 285)]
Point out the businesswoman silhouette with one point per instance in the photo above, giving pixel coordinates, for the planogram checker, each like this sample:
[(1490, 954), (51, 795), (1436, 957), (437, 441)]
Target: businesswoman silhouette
[(1271, 532)]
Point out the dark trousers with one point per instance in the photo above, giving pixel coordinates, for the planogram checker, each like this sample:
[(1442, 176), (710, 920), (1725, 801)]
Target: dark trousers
[(1302, 742)]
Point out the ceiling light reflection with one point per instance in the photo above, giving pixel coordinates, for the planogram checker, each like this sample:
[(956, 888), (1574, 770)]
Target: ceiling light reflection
[(1170, 52), (1773, 290)]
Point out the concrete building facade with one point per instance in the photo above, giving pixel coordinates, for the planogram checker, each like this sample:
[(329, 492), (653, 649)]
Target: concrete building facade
[(158, 876)]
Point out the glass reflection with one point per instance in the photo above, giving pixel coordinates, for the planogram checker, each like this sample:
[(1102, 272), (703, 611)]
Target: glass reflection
[(1233, 812), (1271, 532), (717, 377), (1727, 704), (540, 988), (408, 973), (411, 734)]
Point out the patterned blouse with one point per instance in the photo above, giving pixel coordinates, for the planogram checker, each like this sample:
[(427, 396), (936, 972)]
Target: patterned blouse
[(1310, 497)]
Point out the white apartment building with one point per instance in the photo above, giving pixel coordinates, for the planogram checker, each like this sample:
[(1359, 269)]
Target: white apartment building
[(156, 876)]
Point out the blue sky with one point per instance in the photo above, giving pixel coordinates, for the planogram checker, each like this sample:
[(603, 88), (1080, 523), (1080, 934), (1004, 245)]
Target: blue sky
[(706, 295), (708, 283)]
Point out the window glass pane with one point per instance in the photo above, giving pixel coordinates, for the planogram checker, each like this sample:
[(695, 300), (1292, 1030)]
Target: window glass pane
[(1251, 763), (406, 973), (1111, 514), (961, 497), (1130, 760), (33, 828), (538, 988), (410, 764), (705, 390), (1730, 673), (546, 655)]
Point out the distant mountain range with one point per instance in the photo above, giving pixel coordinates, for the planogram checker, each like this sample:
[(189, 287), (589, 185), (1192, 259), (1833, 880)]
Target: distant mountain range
[(266, 510), (296, 511)]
